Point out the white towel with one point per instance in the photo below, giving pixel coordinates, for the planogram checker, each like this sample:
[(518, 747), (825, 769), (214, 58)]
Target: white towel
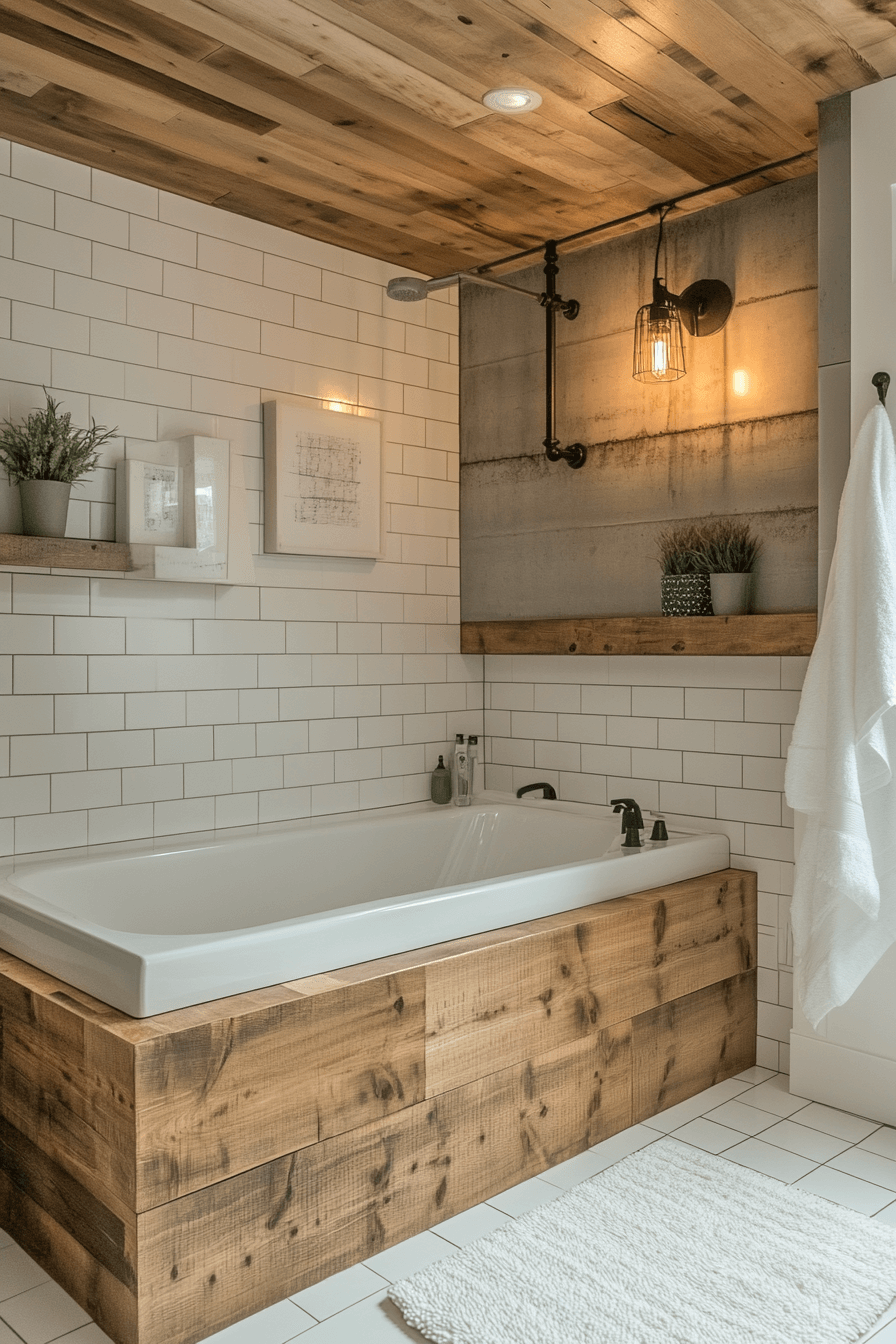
[(840, 766)]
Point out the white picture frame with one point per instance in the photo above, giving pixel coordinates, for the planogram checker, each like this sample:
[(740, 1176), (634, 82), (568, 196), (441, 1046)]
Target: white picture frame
[(323, 482), (149, 503)]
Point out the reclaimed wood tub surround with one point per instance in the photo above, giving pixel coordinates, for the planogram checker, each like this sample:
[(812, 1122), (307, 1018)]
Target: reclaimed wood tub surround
[(178, 1173)]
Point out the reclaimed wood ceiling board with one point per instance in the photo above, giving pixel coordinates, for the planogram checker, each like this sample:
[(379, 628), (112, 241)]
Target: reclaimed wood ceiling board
[(360, 122)]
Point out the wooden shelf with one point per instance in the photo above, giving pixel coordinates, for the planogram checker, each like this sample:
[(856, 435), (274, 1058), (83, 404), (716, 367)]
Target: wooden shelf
[(63, 553), (751, 636)]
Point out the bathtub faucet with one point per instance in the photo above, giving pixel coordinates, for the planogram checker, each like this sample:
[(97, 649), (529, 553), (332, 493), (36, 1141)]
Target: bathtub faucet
[(631, 812), (549, 790)]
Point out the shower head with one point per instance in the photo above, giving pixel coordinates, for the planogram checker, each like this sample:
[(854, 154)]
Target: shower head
[(407, 288), (410, 288)]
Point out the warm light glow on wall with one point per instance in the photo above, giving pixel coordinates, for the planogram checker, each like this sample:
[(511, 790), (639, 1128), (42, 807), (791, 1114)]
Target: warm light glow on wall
[(740, 382)]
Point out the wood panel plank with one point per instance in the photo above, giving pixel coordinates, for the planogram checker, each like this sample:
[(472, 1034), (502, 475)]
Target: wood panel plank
[(790, 633), (178, 93), (682, 1047), (708, 31), (804, 34), (706, 162), (626, 59), (499, 1005), (325, 34), (108, 1238), (133, 24), (63, 553), (330, 98), (225, 1252), (486, 44), (218, 1097), (512, 175), (67, 1084), (111, 1303), (317, 138), (59, 126), (19, 78), (389, 199)]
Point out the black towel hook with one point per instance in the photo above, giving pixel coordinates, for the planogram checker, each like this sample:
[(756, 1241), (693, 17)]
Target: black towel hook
[(882, 382)]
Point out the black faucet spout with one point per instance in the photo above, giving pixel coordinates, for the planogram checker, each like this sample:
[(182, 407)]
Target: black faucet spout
[(629, 808), (549, 790)]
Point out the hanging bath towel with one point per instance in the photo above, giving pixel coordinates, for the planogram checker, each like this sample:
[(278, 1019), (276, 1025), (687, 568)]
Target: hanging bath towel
[(842, 760)]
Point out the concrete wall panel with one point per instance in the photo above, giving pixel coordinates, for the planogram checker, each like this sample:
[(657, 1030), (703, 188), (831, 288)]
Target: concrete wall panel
[(541, 540)]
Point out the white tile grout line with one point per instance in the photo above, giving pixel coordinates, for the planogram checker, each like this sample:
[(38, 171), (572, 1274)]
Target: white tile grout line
[(740, 1096)]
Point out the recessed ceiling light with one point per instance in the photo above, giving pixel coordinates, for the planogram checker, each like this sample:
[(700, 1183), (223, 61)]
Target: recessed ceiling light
[(512, 101)]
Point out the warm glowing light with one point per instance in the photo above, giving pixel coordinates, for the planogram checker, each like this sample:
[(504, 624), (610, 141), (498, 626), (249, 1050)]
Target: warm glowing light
[(659, 357), (740, 382), (339, 406)]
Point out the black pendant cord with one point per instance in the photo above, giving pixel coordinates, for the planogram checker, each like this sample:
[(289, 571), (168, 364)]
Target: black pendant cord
[(656, 261), (575, 454)]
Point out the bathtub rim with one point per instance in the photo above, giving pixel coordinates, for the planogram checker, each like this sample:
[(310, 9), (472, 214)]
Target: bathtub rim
[(127, 969), (130, 941)]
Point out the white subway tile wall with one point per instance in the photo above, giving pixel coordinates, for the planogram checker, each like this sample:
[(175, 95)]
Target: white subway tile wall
[(702, 741), (131, 709)]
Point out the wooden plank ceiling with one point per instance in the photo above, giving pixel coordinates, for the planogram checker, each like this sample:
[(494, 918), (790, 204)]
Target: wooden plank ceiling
[(360, 122)]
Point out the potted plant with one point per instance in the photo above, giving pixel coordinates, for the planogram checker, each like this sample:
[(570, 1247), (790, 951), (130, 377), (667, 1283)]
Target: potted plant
[(730, 551), (45, 456), (685, 582)]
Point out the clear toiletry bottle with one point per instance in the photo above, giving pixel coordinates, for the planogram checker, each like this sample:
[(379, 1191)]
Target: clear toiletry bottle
[(473, 753), (461, 773), (440, 784)]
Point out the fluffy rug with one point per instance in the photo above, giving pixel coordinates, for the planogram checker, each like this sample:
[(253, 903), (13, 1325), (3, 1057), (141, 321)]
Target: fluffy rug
[(669, 1246)]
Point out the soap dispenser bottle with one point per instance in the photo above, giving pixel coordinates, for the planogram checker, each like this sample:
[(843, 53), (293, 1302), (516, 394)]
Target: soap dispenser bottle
[(461, 773), (440, 784), (473, 753)]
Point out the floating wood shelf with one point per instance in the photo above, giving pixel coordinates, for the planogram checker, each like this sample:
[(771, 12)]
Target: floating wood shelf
[(63, 553), (777, 633)]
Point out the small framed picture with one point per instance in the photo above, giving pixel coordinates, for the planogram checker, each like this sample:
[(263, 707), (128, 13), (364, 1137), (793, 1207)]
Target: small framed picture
[(323, 482), (149, 505)]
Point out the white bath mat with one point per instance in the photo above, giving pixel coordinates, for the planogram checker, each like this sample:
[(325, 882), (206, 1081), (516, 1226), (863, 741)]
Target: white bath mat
[(669, 1246)]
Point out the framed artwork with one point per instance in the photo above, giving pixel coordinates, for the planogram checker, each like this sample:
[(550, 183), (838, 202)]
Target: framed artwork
[(149, 503), (184, 515), (323, 482)]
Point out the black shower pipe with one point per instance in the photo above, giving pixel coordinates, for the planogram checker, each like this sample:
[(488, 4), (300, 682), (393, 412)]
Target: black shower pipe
[(574, 455), (642, 214)]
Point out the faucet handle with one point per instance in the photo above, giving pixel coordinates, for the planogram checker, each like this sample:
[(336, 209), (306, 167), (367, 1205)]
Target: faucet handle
[(628, 807), (659, 832)]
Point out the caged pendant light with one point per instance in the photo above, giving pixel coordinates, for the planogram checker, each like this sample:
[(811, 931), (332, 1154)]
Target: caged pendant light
[(659, 349), (703, 308)]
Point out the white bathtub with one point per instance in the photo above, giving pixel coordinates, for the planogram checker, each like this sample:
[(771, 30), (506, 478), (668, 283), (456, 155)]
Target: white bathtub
[(162, 926)]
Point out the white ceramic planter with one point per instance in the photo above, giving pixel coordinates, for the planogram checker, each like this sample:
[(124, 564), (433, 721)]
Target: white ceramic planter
[(730, 593), (44, 507)]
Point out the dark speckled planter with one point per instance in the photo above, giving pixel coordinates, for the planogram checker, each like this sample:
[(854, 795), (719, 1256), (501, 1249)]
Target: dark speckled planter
[(686, 595)]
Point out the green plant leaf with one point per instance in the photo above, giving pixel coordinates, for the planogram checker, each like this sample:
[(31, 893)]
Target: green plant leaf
[(48, 448)]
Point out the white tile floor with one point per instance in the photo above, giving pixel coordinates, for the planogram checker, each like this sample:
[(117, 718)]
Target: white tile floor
[(751, 1119)]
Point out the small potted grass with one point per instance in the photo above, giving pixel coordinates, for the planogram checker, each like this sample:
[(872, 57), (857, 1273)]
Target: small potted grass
[(685, 583), (45, 456), (730, 551)]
